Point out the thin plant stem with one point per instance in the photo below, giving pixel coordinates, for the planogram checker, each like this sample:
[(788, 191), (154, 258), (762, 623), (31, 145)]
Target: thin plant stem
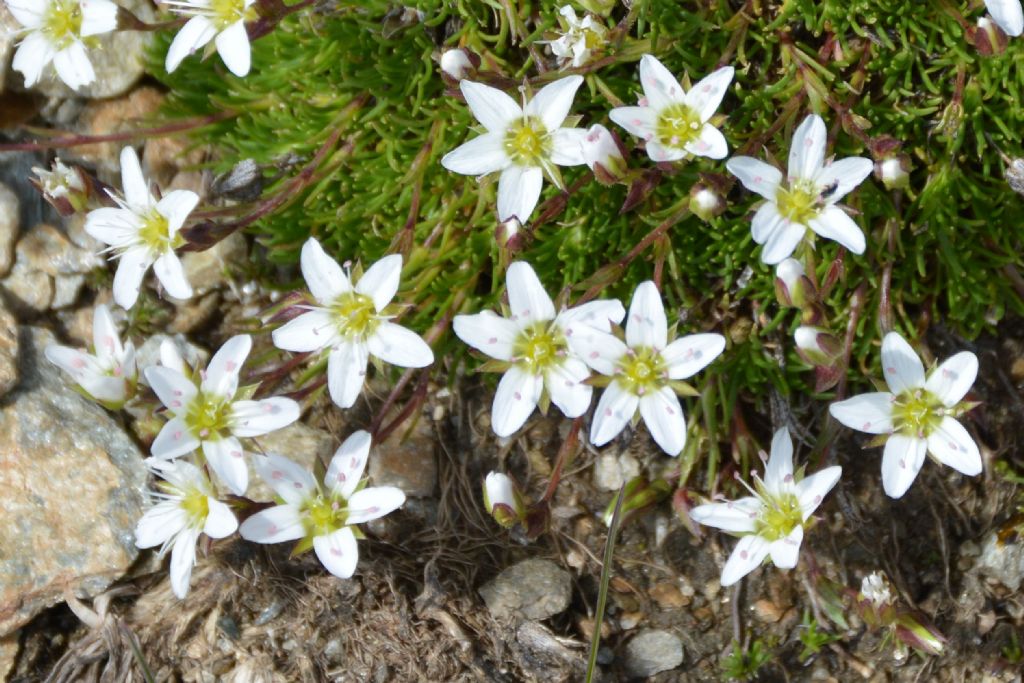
[(606, 577)]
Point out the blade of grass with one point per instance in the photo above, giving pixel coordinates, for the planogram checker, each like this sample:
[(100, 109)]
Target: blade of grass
[(606, 576)]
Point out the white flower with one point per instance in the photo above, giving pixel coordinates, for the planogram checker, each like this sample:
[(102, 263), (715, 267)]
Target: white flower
[(65, 188), (110, 375), (807, 199), (222, 21), (1007, 14), (579, 38), (323, 517), (539, 347), (918, 414), (187, 506), (523, 143), (55, 30), (503, 500), (675, 123), (771, 522), (646, 372), (351, 322), (209, 416), (456, 63), (143, 232)]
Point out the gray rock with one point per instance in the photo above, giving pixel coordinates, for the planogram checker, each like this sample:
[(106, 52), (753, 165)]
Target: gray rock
[(209, 270), (72, 485), (46, 248), (652, 651), (66, 289), (532, 589), (407, 461), (9, 224), (612, 470), (8, 350), (28, 291), (149, 353), (1002, 561), (47, 270)]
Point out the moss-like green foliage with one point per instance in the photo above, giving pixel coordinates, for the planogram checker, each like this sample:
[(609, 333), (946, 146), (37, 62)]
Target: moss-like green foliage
[(878, 71)]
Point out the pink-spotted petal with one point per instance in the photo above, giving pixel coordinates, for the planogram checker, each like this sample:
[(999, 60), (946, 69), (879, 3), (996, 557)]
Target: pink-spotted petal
[(614, 411), (338, 552), (488, 333), (664, 419), (372, 503), (952, 445), (222, 372), (747, 556), (516, 397), (737, 516), (348, 463), (785, 552), (871, 413), (292, 482), (174, 440), (953, 379), (227, 460), (527, 297), (901, 461), (900, 364), (255, 418), (689, 355), (274, 525)]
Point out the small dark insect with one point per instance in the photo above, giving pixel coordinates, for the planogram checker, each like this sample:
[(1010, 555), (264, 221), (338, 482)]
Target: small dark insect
[(828, 190)]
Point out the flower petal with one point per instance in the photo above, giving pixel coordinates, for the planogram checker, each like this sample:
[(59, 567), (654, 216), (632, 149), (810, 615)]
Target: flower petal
[(646, 325), (371, 503), (274, 525), (222, 371), (220, 521), (98, 16), (527, 298), (516, 397), (346, 372), (227, 460), (105, 338), (871, 413), (293, 483), (338, 551), (518, 192), (737, 516), (176, 206), (953, 379), (552, 103), (380, 281), (901, 461), (778, 473), (756, 175), (136, 189), (255, 418), (1007, 14), (807, 150), (159, 524), (324, 277), (348, 463), (171, 275), (813, 489), (900, 364), (747, 556), (844, 175), (174, 440), (689, 355), (660, 87), (233, 47), (73, 66), (29, 13), (479, 156), (399, 346), (953, 446), (659, 152), (708, 92), (131, 268), (565, 385), (32, 56), (664, 419), (487, 332), (600, 350), (615, 409), (767, 220), (785, 552), (197, 32), (567, 147), (172, 388), (833, 223), (782, 242), (600, 315), (491, 107), (711, 143), (116, 227), (183, 558), (638, 121), (308, 332)]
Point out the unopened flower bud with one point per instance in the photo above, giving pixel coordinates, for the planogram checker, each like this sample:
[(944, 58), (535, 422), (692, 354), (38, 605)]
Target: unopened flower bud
[(894, 172), (987, 37), (1015, 175), (923, 637), (816, 346), (458, 63), (603, 153), (602, 7), (874, 588), (503, 500), (792, 285), (705, 202), (67, 189)]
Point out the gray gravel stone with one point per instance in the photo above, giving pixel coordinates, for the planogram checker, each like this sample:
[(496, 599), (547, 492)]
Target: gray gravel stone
[(8, 350), (532, 589), (652, 651), (1001, 561), (9, 224)]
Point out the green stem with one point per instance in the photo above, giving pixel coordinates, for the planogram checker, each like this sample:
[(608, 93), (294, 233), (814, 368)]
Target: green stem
[(606, 576)]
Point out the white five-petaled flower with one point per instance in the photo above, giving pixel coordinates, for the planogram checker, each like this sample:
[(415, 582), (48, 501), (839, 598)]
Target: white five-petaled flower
[(539, 346), (186, 506), (918, 413), (322, 517), (110, 375), (1008, 15), (351, 321), (524, 143), (770, 522), (143, 232), (675, 123), (579, 38), (209, 416), (646, 372), (806, 200), (55, 30), (222, 21)]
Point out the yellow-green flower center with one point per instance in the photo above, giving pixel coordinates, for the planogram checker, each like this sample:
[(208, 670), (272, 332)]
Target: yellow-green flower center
[(917, 413), (355, 315), (324, 515), (197, 506), (677, 125), (539, 346), (155, 232), (642, 370), (62, 23), (527, 142), (800, 202), (208, 416), (227, 12), (779, 516)]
